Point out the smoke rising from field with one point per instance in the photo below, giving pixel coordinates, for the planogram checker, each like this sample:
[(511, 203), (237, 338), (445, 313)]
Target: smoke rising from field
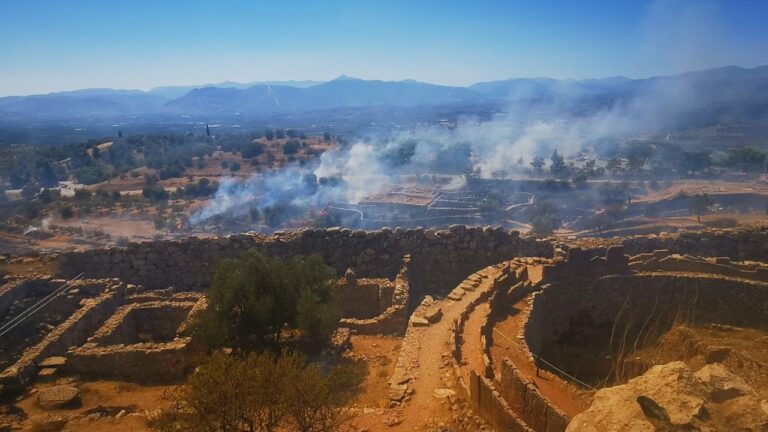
[(500, 147), (541, 116)]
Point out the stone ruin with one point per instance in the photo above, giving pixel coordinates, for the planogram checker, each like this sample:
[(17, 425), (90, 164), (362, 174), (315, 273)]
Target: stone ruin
[(98, 328), (375, 305), (568, 311), (123, 321)]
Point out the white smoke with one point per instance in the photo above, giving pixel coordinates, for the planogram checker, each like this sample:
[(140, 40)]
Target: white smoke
[(569, 118)]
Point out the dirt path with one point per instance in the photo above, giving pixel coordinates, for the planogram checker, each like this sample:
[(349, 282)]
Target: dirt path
[(425, 407)]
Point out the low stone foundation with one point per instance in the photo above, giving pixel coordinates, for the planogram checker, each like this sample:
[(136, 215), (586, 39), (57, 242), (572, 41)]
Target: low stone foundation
[(394, 319), (141, 342), (72, 332)]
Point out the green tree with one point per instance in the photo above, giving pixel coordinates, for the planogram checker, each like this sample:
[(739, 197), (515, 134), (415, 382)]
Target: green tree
[(316, 317), (252, 150), (580, 181), (558, 167), (544, 217), (598, 221), (82, 194), (291, 147), (746, 159), (45, 196), (613, 165), (696, 160), (67, 212), (252, 296), (638, 155), (538, 164), (700, 204)]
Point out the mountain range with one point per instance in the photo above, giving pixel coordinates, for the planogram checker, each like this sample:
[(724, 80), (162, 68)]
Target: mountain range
[(723, 88)]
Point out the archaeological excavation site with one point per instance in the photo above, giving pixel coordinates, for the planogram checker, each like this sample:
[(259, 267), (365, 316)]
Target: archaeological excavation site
[(458, 329)]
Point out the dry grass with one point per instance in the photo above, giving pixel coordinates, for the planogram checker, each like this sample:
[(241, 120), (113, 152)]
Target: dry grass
[(651, 334)]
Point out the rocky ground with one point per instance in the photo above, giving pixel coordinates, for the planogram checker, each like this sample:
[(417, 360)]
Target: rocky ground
[(672, 397)]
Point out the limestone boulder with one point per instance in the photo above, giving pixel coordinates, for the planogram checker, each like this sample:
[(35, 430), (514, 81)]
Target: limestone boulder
[(341, 339), (672, 397), (58, 397)]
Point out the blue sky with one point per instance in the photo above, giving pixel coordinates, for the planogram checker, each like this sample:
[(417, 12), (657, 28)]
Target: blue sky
[(62, 45)]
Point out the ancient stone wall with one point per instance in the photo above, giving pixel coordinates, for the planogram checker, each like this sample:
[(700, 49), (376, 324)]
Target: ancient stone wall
[(143, 322), (394, 319), (701, 298), (441, 259), (362, 298), (144, 362), (518, 393), (481, 390), (141, 342), (663, 260), (14, 291), (73, 332), (526, 400), (738, 243)]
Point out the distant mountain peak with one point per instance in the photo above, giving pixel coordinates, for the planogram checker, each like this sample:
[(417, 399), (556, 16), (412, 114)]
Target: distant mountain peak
[(346, 78)]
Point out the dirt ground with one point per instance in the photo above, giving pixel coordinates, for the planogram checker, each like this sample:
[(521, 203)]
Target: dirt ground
[(272, 158), (102, 401), (711, 187), (380, 354)]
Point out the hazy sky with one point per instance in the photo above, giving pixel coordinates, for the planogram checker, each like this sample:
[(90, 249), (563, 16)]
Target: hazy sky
[(62, 45)]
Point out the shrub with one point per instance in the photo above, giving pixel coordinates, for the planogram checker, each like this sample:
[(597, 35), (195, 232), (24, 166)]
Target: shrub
[(651, 210), (261, 392), (82, 195), (544, 217), (291, 147), (723, 222), (154, 192), (67, 212), (700, 204)]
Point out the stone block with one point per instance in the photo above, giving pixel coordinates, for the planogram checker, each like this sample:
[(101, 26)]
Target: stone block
[(58, 397), (53, 362)]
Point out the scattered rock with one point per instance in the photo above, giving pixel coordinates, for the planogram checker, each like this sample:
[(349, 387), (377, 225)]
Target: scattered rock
[(350, 276), (456, 294), (397, 392), (443, 393), (46, 374), (53, 362), (433, 315), (419, 321), (341, 340), (393, 421), (48, 423)]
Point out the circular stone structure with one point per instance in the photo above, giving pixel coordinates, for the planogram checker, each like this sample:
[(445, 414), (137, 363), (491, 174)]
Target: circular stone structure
[(605, 330)]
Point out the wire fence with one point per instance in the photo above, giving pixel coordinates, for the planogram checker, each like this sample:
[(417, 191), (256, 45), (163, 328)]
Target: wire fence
[(45, 301), (537, 357)]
